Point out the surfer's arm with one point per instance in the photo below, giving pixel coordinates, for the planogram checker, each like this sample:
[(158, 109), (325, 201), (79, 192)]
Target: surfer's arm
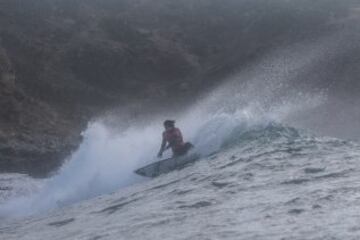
[(163, 147)]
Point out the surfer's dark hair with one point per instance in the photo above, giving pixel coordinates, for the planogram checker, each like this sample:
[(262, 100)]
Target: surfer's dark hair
[(169, 123)]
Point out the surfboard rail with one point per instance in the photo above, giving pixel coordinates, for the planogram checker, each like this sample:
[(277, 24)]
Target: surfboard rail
[(166, 165)]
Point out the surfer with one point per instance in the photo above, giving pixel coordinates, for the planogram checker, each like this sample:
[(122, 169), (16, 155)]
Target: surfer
[(172, 138)]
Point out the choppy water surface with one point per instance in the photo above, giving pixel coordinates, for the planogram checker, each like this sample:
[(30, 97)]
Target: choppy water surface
[(260, 176), (270, 182)]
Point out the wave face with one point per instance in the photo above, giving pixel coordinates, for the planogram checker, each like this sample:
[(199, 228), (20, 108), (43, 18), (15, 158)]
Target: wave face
[(265, 182)]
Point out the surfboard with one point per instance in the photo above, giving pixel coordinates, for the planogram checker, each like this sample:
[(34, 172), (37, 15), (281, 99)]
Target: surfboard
[(167, 165)]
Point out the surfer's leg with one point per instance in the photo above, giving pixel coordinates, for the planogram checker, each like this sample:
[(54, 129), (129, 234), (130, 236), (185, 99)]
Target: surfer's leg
[(188, 146), (183, 150)]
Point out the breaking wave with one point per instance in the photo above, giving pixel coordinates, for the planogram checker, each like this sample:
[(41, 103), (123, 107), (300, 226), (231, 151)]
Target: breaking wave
[(254, 107)]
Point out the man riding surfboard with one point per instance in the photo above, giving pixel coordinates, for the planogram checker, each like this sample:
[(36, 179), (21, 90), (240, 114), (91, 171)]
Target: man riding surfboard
[(172, 138)]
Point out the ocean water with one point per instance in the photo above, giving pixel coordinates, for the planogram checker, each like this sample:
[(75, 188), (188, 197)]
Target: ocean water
[(271, 168), (259, 177), (265, 182)]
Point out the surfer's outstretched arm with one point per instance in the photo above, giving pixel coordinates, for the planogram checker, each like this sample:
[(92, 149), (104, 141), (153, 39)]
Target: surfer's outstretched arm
[(162, 148)]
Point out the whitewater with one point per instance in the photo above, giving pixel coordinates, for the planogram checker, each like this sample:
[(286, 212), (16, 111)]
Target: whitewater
[(262, 175)]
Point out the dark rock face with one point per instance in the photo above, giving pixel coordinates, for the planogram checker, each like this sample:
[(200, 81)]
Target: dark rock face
[(64, 61), (33, 138)]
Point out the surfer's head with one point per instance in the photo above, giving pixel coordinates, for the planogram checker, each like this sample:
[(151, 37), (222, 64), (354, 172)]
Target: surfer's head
[(169, 124)]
